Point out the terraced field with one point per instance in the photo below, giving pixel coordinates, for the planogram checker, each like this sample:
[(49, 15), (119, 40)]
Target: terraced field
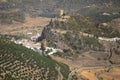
[(18, 62)]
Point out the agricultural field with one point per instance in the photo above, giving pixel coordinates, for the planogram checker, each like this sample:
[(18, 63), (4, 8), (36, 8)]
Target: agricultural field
[(18, 62), (113, 74), (99, 74)]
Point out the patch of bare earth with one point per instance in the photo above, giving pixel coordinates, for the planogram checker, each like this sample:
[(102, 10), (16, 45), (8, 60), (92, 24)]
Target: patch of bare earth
[(87, 59), (113, 74), (89, 73), (31, 24), (91, 65)]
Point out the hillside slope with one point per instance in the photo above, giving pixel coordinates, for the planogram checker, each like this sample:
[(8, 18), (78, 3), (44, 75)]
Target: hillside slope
[(77, 35), (18, 62), (10, 10), (50, 8), (14, 10)]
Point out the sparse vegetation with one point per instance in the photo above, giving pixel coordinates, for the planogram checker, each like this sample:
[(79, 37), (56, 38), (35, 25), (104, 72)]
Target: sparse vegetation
[(105, 18), (10, 11), (7, 18), (91, 26)]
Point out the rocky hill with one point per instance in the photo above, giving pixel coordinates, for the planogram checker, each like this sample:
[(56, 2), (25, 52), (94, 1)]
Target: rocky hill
[(72, 6), (77, 34), (14, 10)]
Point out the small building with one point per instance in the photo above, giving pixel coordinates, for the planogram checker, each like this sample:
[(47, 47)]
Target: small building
[(106, 14), (35, 38)]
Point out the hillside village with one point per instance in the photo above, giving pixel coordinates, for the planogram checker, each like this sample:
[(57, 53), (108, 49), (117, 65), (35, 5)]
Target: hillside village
[(36, 46)]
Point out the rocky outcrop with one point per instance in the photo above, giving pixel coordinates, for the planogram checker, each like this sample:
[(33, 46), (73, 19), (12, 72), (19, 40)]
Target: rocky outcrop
[(69, 41), (115, 23)]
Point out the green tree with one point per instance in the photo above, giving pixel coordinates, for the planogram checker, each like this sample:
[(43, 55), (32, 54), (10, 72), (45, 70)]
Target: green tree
[(42, 48)]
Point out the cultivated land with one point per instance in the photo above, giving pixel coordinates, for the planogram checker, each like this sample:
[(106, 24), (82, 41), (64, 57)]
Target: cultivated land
[(113, 74), (20, 63), (89, 73), (90, 58), (100, 73), (93, 65)]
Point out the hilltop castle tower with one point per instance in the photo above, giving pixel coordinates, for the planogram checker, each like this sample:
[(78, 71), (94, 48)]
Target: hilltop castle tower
[(61, 12), (62, 16)]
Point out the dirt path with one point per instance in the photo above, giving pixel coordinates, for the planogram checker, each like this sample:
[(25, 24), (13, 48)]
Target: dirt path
[(60, 76)]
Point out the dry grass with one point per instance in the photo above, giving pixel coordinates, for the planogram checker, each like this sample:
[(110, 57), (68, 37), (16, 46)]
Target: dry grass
[(89, 73), (113, 74), (65, 61), (89, 58)]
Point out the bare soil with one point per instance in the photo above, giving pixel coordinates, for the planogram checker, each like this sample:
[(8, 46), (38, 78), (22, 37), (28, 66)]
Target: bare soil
[(31, 24), (90, 58)]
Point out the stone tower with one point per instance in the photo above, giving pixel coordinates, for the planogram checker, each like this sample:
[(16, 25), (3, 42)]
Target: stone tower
[(61, 13)]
